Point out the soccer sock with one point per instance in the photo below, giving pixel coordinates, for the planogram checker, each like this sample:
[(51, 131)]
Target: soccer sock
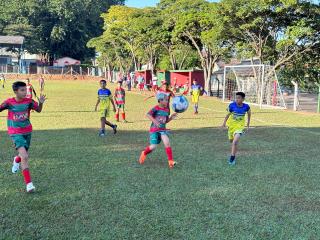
[(117, 116), (196, 108), (123, 116), (169, 153), (26, 175), (17, 159), (147, 151)]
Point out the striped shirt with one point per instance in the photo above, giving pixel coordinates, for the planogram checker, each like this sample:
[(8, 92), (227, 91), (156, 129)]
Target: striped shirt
[(162, 116), (18, 120), (120, 96)]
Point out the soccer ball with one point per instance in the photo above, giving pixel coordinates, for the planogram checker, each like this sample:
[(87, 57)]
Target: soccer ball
[(180, 104)]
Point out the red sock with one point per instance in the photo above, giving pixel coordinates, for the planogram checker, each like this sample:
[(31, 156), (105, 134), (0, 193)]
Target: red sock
[(26, 175), (17, 159), (169, 153), (123, 116), (147, 151), (117, 117)]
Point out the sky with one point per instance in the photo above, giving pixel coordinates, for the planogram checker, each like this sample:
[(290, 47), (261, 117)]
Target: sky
[(145, 3)]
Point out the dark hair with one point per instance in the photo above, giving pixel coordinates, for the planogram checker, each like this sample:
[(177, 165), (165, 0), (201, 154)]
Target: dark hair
[(17, 85), (103, 81), (242, 94)]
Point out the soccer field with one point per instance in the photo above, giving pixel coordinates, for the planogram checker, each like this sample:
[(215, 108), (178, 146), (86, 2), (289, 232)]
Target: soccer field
[(93, 188)]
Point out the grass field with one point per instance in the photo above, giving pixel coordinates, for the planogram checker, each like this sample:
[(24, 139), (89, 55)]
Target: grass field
[(92, 188)]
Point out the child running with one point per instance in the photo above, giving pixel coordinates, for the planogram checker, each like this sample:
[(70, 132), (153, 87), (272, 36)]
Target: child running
[(104, 99), (159, 116), (235, 121), (195, 93), (20, 128), (120, 100)]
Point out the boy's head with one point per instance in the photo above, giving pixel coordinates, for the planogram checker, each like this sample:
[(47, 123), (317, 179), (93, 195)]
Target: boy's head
[(195, 81), (240, 96), (103, 83), (20, 89), (119, 83), (28, 80), (163, 99)]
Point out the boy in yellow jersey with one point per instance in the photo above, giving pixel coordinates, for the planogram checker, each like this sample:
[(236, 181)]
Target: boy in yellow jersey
[(235, 121), (195, 93), (105, 100)]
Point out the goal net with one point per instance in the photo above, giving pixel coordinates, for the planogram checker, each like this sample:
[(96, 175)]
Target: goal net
[(258, 82)]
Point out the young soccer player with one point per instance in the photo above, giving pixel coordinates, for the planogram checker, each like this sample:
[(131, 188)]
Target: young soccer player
[(41, 84), (120, 100), (159, 116), (30, 90), (164, 89), (105, 99), (195, 93), (20, 128), (235, 121)]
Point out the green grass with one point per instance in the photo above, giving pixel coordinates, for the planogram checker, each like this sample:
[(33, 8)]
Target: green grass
[(92, 188)]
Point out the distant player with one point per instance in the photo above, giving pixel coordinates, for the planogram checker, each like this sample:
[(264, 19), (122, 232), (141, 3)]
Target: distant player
[(185, 89), (195, 93), (120, 100), (235, 121), (2, 80), (164, 89), (105, 99), (30, 90), (41, 84), (20, 128), (159, 116)]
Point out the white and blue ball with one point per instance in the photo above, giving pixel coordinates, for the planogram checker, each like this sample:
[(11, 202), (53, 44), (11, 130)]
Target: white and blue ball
[(180, 104)]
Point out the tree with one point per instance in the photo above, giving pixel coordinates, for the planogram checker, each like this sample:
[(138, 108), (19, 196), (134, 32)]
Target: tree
[(198, 23)]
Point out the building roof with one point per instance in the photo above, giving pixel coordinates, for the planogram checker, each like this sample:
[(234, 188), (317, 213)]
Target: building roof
[(11, 40)]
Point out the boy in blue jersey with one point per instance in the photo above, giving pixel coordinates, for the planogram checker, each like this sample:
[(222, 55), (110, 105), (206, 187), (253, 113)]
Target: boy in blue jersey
[(195, 93), (105, 99), (235, 121)]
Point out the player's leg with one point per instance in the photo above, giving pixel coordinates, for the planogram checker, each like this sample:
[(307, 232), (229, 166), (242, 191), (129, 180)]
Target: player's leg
[(196, 106), (113, 126), (103, 127), (155, 139), (166, 142), (22, 146), (117, 113), (234, 148), (123, 114)]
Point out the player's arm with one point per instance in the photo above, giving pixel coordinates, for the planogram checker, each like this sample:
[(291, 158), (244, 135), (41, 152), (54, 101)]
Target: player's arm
[(34, 92), (113, 105), (226, 119), (38, 107), (249, 118), (172, 117), (3, 106), (97, 104)]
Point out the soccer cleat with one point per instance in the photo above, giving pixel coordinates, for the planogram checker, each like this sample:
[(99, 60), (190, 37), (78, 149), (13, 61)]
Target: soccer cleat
[(142, 158), (125, 121), (15, 165), (30, 187), (102, 133), (114, 129), (232, 162), (172, 164)]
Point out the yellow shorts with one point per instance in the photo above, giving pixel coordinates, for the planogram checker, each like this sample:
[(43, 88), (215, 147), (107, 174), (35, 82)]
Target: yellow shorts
[(105, 112), (195, 98), (235, 129)]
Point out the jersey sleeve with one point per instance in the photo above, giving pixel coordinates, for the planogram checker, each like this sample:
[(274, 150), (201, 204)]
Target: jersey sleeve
[(230, 108), (248, 108), (4, 106), (152, 112), (34, 105)]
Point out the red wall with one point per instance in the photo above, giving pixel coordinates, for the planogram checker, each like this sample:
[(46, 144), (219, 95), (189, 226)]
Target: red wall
[(146, 74), (184, 77)]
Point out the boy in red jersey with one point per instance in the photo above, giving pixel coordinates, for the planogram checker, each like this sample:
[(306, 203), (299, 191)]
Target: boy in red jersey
[(20, 128), (120, 100), (30, 90), (159, 116)]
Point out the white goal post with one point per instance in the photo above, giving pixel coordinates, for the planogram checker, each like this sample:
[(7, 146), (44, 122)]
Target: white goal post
[(259, 82)]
